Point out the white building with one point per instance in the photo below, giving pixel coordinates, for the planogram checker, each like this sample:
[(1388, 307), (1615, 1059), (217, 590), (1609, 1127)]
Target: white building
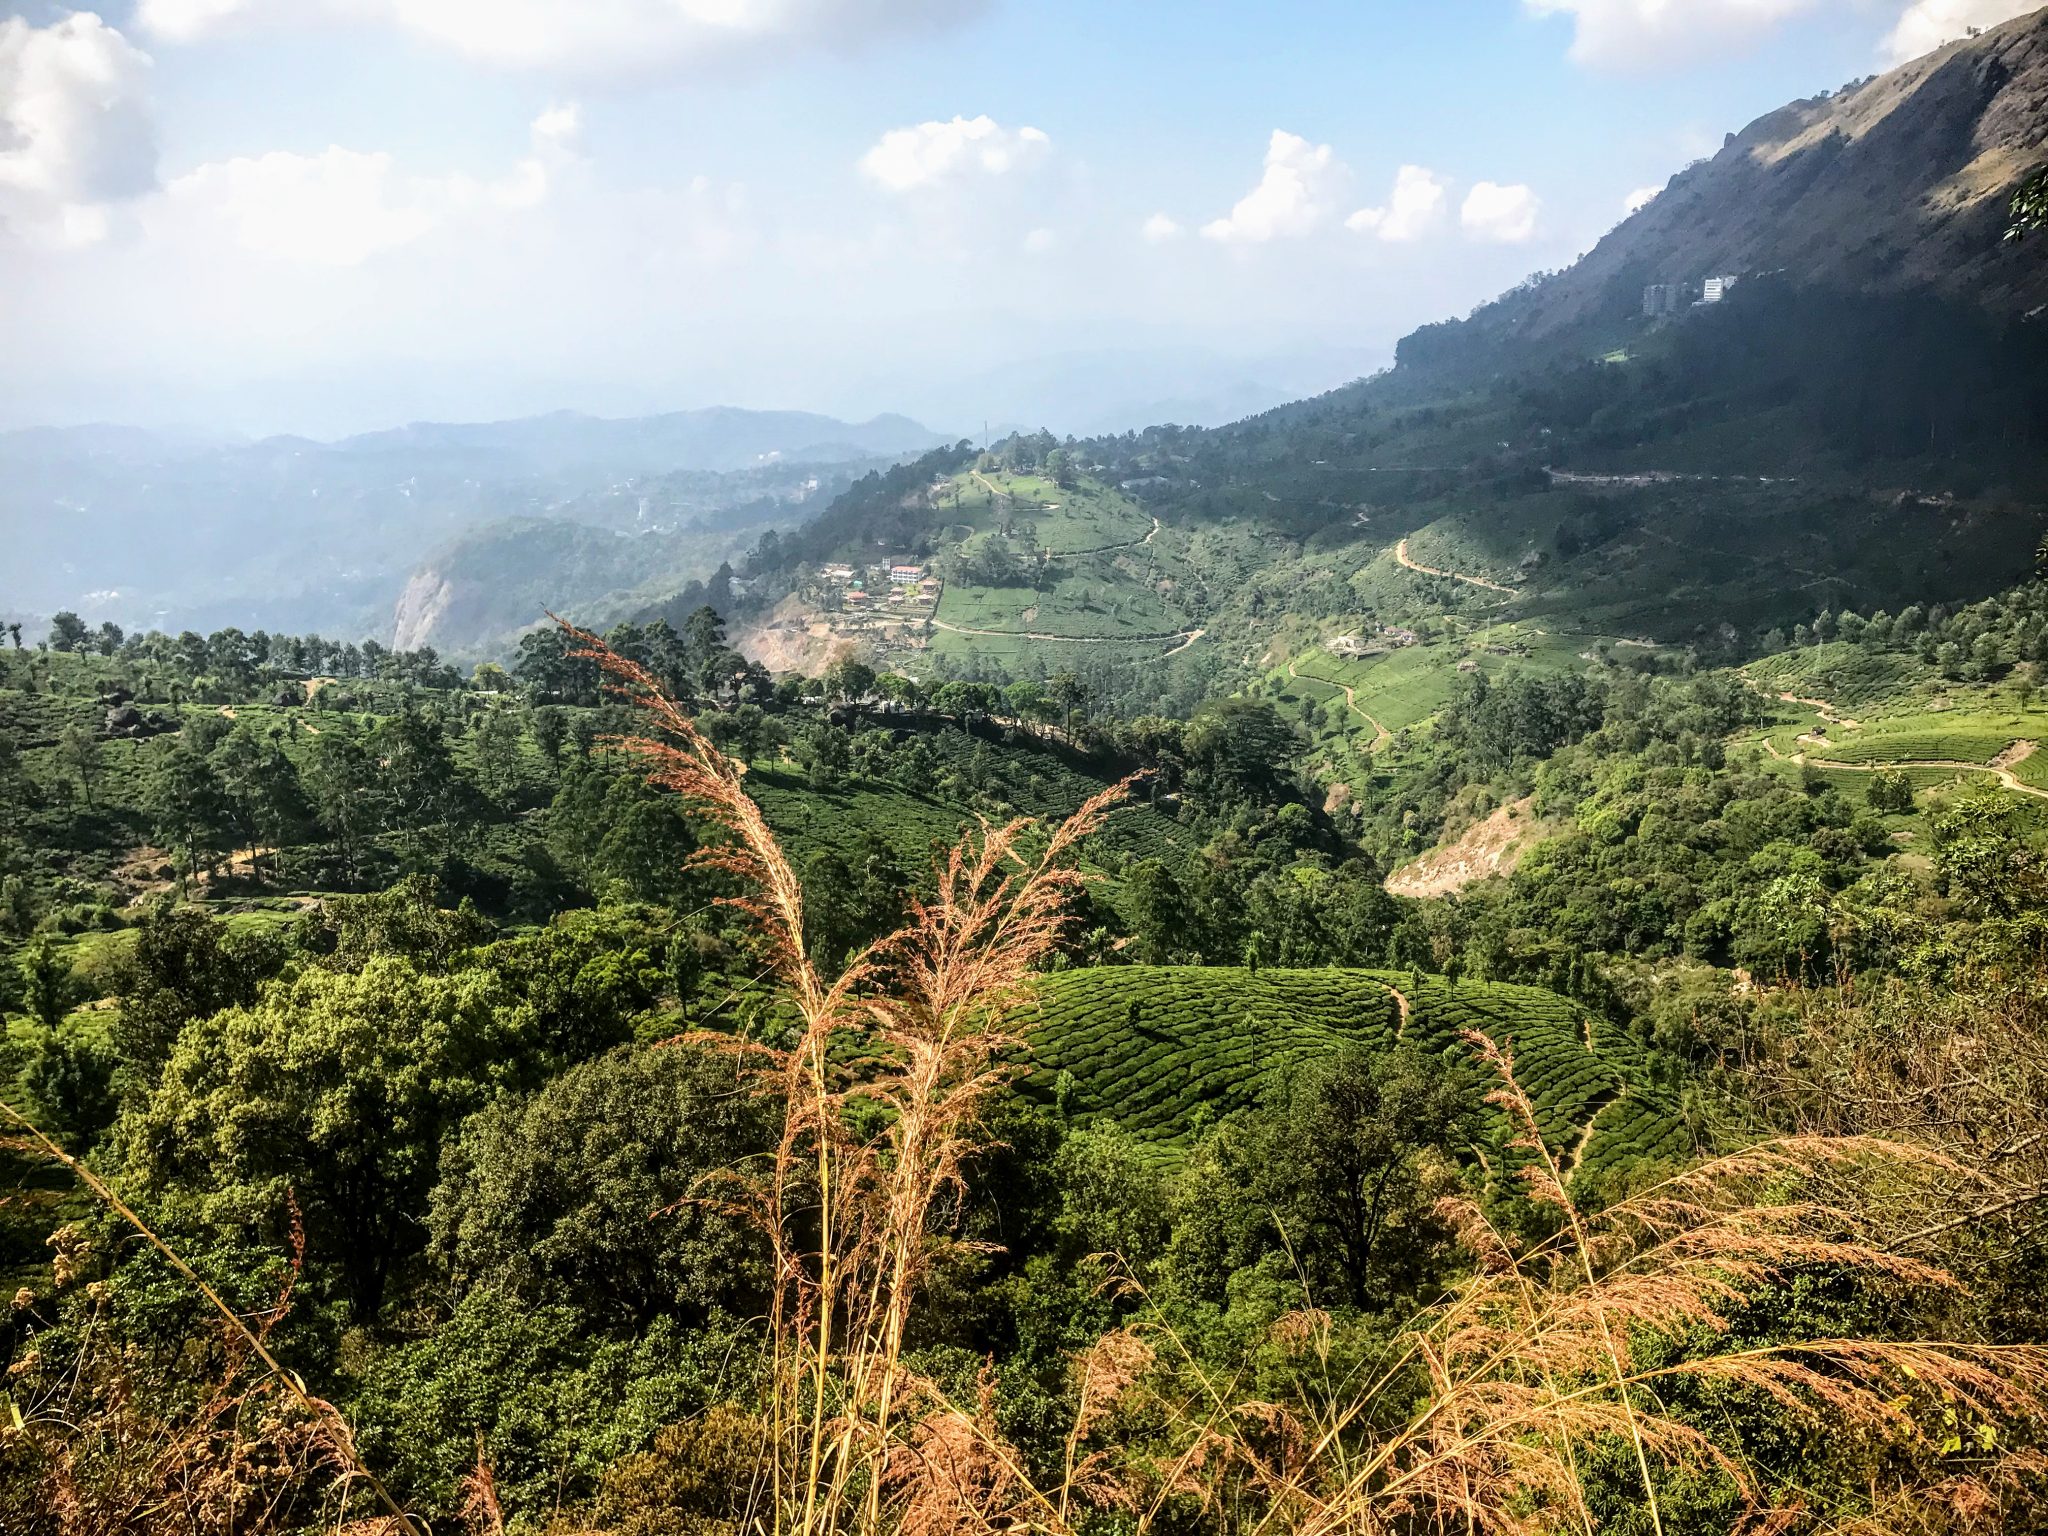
[(1715, 289)]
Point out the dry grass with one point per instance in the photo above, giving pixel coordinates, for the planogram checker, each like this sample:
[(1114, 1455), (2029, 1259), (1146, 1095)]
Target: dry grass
[(1556, 1353), (859, 1444), (1546, 1357), (1488, 1415), (256, 1454)]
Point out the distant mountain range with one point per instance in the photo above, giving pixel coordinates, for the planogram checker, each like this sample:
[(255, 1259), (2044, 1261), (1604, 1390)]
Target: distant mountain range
[(165, 530)]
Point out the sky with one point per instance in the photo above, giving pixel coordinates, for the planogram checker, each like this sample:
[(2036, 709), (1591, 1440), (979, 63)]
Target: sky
[(325, 216)]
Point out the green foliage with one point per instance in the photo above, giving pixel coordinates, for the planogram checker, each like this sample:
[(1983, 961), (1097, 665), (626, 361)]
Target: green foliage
[(548, 1404), (1159, 1051), (2029, 213), (593, 1193), (337, 1086), (184, 965)]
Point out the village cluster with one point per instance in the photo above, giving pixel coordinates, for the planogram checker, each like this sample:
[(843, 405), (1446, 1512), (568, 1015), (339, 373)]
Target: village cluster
[(881, 587)]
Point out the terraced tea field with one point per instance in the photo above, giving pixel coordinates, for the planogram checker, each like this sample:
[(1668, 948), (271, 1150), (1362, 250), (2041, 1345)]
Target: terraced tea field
[(1146, 1048), (1084, 516)]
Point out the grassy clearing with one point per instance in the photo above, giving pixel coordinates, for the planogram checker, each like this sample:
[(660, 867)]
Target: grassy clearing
[(1095, 597), (1086, 515)]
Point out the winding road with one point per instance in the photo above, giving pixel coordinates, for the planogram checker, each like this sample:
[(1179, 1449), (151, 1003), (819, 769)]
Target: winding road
[(1821, 707), (1383, 735), (1401, 555), (2001, 769)]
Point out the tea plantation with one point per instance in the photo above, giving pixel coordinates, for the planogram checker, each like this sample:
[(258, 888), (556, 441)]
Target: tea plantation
[(1163, 1051)]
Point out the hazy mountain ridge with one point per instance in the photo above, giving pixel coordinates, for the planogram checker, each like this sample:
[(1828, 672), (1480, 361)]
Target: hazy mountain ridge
[(166, 529)]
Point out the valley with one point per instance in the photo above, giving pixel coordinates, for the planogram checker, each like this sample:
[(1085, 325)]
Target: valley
[(1466, 955)]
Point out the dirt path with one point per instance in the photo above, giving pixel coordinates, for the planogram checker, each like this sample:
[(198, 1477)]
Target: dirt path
[(1104, 549), (1999, 768), (1400, 1002), (1381, 734), (1575, 1154), (1401, 554), (1821, 707), (1185, 637)]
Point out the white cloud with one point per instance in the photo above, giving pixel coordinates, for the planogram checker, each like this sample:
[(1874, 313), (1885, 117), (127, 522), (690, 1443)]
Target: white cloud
[(1415, 207), (1642, 197), (1039, 241), (1927, 24), (1635, 33), (932, 154), (559, 130), (590, 38), (1301, 184), (338, 208), (76, 134), (1161, 228), (1503, 215)]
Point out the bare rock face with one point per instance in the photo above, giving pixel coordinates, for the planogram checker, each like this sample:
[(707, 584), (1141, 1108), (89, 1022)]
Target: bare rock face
[(421, 606)]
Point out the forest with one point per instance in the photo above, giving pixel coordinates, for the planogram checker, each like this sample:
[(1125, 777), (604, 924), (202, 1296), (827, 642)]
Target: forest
[(632, 1091)]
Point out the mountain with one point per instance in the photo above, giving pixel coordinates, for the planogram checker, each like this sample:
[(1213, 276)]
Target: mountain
[(604, 553), (720, 438), (154, 530), (1859, 422), (1895, 185)]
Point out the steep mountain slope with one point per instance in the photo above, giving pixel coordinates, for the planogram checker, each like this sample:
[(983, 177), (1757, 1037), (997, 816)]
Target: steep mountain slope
[(1897, 184)]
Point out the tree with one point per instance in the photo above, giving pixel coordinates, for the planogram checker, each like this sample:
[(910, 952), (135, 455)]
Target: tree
[(267, 806), (45, 983), (1352, 1154), (185, 965), (78, 751), (550, 730), (67, 632), (1240, 743), (849, 678), (1891, 792), (423, 793), (347, 796), (1067, 694), (1026, 700), (187, 807), (2029, 212), (551, 1198), (69, 1084), (339, 1088), (497, 745)]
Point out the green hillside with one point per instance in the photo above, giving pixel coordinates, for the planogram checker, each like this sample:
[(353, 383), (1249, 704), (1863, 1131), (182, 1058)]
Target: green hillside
[(1162, 1051)]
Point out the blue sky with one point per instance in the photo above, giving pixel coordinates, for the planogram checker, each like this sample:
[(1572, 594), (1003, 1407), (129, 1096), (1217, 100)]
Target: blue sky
[(325, 215)]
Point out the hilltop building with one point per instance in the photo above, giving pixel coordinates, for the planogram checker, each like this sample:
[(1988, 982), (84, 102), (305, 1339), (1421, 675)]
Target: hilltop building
[(1715, 289)]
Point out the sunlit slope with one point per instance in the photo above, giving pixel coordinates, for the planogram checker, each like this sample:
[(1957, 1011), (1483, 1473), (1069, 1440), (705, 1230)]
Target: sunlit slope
[(1161, 1051)]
